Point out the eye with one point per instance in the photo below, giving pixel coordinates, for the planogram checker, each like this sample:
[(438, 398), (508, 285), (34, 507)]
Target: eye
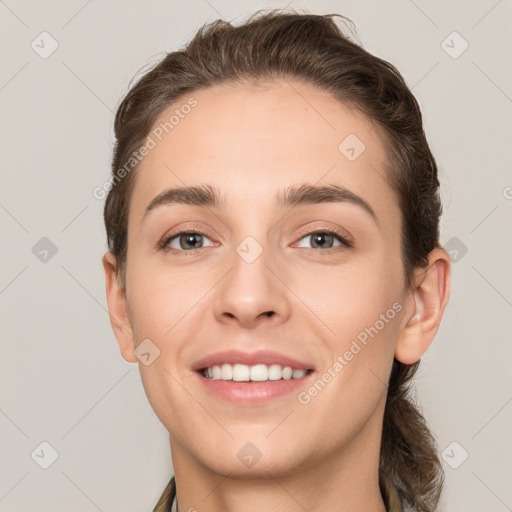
[(325, 240), (185, 241)]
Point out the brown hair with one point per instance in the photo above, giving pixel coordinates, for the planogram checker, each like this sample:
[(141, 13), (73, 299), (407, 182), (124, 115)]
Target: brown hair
[(312, 49)]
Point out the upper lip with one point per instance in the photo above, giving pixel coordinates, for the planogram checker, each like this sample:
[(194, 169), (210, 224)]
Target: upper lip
[(249, 358)]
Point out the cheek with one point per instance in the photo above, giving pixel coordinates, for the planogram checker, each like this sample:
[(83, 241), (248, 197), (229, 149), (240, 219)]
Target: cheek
[(361, 304), (364, 313), (160, 298), (352, 297)]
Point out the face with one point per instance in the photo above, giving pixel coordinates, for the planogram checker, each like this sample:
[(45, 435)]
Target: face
[(313, 279)]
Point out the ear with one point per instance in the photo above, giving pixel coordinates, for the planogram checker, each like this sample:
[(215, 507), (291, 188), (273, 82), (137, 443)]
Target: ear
[(118, 309), (430, 295)]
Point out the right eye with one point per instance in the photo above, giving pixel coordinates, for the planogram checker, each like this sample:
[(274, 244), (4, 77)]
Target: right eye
[(184, 242)]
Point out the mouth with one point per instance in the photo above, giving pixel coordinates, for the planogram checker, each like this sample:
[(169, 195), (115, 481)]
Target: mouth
[(245, 386)]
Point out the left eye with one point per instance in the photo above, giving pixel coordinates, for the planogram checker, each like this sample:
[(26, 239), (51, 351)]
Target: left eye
[(321, 240)]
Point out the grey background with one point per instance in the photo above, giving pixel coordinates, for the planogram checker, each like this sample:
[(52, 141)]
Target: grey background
[(62, 379)]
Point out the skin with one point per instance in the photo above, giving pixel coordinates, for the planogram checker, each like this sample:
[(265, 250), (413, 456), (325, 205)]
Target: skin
[(251, 141)]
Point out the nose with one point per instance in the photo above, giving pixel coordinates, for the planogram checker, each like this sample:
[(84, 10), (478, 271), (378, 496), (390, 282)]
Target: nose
[(251, 294)]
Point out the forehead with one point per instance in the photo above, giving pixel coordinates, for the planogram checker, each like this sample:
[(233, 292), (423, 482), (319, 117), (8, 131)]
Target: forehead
[(250, 140)]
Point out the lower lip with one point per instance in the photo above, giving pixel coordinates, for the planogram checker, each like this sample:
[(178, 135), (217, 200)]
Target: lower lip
[(243, 393)]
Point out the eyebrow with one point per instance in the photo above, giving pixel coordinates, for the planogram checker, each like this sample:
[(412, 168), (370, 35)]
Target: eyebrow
[(294, 195)]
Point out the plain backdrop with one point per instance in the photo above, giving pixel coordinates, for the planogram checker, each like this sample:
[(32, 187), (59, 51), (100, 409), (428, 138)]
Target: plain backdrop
[(68, 400)]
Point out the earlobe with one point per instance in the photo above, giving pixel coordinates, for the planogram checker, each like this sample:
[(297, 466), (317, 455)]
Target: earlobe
[(430, 294), (118, 309)]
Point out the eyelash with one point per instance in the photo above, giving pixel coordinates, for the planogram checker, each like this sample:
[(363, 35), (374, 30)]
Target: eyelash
[(163, 245)]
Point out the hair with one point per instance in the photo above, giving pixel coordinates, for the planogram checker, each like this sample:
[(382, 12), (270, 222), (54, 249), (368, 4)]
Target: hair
[(312, 49)]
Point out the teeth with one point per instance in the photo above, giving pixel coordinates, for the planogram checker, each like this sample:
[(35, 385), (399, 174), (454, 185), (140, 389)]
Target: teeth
[(226, 372), (259, 372), (256, 373)]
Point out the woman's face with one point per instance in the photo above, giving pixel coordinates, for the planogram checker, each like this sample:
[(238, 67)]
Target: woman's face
[(266, 273)]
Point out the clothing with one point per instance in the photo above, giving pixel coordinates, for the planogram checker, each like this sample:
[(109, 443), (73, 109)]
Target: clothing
[(168, 501)]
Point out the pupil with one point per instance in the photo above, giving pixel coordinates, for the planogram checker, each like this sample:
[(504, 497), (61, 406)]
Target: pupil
[(317, 239), (190, 240)]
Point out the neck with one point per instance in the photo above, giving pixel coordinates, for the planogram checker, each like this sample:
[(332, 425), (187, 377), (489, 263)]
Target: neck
[(344, 480)]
